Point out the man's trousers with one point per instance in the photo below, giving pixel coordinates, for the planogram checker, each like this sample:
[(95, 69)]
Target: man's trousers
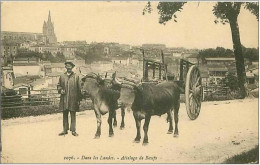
[(66, 121)]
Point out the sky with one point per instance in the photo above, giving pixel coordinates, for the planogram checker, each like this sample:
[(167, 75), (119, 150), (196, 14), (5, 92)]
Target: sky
[(123, 22)]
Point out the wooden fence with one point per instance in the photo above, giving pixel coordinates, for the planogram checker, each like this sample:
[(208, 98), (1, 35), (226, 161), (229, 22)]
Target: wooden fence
[(30, 98)]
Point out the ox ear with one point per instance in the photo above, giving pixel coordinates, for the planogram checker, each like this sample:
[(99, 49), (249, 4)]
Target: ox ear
[(100, 80), (114, 75), (83, 79)]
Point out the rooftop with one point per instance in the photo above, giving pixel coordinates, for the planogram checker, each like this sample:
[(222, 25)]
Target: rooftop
[(21, 85), (57, 65), (26, 59), (25, 64), (220, 59), (218, 69)]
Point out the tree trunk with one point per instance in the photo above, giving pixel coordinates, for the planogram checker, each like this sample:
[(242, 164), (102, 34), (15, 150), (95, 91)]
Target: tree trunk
[(238, 56)]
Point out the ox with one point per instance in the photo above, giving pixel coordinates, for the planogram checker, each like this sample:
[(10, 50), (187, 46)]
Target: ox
[(152, 100), (104, 98)]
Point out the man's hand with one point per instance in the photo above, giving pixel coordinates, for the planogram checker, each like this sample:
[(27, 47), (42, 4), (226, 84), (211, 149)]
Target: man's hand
[(62, 92)]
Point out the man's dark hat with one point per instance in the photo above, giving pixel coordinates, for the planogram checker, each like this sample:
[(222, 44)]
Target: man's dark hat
[(68, 62)]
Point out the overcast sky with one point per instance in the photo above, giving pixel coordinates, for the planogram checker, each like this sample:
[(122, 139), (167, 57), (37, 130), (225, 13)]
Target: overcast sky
[(123, 22)]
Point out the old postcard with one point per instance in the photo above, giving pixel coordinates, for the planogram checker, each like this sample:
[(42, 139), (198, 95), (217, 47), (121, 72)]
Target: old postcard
[(129, 82)]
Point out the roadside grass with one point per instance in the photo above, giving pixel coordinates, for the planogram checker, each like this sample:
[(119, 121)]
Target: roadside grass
[(249, 157)]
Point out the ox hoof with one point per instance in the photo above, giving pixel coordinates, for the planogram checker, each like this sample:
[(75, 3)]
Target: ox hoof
[(136, 141), (169, 132), (111, 134), (97, 137), (122, 127), (175, 135), (115, 124), (145, 143)]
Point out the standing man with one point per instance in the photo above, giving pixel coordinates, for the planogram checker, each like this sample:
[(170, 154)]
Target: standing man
[(69, 88)]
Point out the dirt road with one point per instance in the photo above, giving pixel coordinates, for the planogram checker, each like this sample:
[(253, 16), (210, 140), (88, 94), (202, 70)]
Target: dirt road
[(222, 130)]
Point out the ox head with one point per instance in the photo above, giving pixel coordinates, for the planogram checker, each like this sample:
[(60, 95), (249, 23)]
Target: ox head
[(90, 83)]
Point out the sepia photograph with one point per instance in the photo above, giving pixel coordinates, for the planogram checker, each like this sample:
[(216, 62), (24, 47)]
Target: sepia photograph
[(133, 82)]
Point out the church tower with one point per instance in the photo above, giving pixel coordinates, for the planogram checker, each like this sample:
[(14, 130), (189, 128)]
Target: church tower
[(48, 30)]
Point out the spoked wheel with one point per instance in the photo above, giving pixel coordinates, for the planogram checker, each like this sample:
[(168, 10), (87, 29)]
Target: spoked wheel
[(193, 92)]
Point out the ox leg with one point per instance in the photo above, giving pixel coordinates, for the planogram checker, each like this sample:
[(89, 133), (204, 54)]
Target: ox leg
[(115, 121), (138, 125), (169, 119), (99, 121), (122, 126), (145, 127), (110, 118), (176, 118)]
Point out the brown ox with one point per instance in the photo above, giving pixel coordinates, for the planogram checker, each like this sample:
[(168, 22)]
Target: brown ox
[(104, 98), (155, 100)]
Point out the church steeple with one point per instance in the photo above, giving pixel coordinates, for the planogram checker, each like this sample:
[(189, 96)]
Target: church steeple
[(49, 17), (48, 29)]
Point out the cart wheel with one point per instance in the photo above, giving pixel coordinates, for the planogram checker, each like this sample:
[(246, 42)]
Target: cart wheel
[(193, 92)]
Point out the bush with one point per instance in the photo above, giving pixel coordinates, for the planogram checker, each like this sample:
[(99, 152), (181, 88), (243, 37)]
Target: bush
[(28, 111), (24, 111)]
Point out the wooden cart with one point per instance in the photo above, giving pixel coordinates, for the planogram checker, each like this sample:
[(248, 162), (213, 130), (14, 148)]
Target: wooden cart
[(189, 80)]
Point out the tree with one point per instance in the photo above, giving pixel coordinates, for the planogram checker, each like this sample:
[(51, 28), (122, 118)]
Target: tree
[(218, 52), (60, 57), (225, 12), (22, 52), (231, 81), (250, 53)]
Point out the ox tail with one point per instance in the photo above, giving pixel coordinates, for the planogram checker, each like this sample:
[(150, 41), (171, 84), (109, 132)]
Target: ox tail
[(168, 119), (180, 86)]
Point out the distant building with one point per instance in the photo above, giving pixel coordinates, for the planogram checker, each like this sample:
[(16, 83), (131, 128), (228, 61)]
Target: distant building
[(8, 52), (122, 60), (27, 69), (48, 30), (53, 49), (125, 47), (57, 68), (106, 50), (219, 60), (25, 45), (67, 51), (47, 35), (31, 60), (21, 37), (54, 78), (74, 43), (154, 46), (7, 77), (217, 73), (101, 66)]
